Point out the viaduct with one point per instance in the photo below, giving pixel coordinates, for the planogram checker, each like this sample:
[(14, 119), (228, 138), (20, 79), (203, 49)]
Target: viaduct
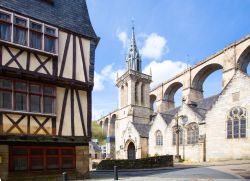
[(233, 57)]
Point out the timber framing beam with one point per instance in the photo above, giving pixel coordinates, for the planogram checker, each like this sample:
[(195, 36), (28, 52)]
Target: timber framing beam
[(44, 140), (34, 76)]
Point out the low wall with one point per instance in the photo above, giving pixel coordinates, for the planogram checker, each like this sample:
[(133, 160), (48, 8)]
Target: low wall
[(151, 162)]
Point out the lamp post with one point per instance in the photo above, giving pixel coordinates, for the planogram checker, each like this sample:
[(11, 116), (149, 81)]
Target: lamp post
[(184, 120)]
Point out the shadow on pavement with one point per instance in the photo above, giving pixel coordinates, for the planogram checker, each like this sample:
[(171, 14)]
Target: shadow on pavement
[(132, 173)]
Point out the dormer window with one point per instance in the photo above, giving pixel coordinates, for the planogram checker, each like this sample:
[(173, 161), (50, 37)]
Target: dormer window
[(27, 32), (36, 35), (20, 31), (5, 26), (50, 39)]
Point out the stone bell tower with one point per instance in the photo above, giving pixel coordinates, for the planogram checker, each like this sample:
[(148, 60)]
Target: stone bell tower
[(133, 114), (134, 87)]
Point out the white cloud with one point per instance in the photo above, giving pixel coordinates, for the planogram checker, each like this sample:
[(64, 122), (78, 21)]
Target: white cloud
[(162, 71), (107, 75), (98, 81), (123, 37), (154, 46)]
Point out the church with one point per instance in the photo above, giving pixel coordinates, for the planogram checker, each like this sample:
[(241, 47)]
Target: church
[(147, 122)]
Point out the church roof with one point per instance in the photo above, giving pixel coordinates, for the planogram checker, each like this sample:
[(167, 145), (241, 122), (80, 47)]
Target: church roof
[(65, 14), (143, 129), (95, 146), (203, 105), (200, 107), (168, 115)]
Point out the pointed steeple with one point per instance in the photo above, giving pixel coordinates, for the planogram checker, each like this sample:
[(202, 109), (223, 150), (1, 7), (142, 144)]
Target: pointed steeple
[(133, 58)]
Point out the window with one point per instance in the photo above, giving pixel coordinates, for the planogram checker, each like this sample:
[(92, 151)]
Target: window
[(142, 94), (136, 92), (5, 94), (50, 40), (20, 31), (192, 133), (26, 96), (36, 35), (21, 96), (35, 98), (236, 123), (158, 138), (27, 158), (175, 135), (27, 32), (5, 26), (48, 99)]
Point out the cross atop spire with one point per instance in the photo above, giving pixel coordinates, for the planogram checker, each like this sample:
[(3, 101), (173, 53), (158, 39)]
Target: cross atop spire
[(133, 58)]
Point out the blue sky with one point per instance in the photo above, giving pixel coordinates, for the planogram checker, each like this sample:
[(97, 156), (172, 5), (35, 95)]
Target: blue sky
[(171, 35)]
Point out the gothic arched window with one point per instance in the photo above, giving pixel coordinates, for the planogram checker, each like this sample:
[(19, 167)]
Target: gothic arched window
[(236, 123), (192, 133), (142, 94), (175, 135), (136, 93), (158, 138)]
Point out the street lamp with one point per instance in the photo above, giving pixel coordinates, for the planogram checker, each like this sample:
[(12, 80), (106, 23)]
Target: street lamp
[(184, 120)]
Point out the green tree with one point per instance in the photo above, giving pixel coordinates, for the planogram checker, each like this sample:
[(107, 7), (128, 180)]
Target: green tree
[(97, 133)]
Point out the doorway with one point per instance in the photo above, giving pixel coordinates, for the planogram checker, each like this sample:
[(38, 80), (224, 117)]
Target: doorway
[(131, 151)]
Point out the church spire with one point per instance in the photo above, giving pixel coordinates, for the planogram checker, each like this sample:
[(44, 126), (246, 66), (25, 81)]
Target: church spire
[(133, 58)]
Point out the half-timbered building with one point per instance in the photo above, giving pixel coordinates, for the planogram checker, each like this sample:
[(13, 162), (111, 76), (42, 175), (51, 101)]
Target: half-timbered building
[(47, 52)]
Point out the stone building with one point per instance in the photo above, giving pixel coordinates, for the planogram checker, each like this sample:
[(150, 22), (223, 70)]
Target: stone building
[(47, 52), (206, 129)]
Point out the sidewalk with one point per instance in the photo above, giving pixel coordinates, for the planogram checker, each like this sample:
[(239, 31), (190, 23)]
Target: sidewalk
[(184, 165), (217, 163)]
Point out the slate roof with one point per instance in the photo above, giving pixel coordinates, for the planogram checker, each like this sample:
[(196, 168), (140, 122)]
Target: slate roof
[(143, 129), (200, 107), (203, 105), (71, 15), (168, 115), (95, 146)]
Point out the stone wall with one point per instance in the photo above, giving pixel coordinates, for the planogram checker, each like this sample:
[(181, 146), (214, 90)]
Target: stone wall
[(82, 159), (219, 147), (151, 162)]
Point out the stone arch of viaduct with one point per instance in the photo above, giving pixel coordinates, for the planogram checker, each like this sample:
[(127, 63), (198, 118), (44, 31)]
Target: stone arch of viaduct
[(108, 124), (233, 57)]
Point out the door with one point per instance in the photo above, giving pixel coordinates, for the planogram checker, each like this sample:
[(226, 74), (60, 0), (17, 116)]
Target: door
[(131, 151)]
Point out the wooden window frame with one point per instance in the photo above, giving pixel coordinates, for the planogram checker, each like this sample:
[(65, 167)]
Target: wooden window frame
[(15, 91), (21, 27), (10, 90), (31, 30), (28, 33), (35, 94), (50, 96), (44, 156), (28, 94), (8, 23), (55, 37)]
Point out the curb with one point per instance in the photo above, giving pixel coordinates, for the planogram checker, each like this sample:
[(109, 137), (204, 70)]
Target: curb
[(149, 169)]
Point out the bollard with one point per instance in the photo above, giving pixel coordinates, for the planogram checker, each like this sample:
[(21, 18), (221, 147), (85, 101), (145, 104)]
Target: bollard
[(65, 176), (115, 173)]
